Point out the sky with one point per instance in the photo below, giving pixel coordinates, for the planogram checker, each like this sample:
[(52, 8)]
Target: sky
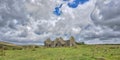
[(33, 21)]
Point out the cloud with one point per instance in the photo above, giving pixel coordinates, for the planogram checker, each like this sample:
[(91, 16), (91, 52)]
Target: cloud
[(107, 13), (21, 24), (32, 21), (106, 27)]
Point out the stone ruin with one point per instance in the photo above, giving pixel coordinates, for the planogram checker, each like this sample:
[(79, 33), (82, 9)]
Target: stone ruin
[(59, 42)]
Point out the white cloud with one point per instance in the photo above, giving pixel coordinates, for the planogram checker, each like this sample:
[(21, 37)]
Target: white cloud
[(19, 23), (106, 17)]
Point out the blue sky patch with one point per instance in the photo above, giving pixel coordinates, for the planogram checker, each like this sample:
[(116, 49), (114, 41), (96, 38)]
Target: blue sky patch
[(74, 4), (57, 10)]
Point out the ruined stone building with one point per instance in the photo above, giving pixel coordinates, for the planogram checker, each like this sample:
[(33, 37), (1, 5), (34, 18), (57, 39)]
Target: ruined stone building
[(48, 42), (59, 42)]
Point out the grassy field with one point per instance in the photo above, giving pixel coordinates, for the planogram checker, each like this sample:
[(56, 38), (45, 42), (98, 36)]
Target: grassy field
[(81, 52)]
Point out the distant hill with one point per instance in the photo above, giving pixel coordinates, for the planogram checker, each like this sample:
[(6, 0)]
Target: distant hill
[(6, 43), (9, 46)]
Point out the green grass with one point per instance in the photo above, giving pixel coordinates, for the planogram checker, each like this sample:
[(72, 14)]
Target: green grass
[(81, 52)]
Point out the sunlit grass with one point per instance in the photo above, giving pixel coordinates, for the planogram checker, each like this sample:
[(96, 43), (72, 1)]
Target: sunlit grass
[(81, 52)]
